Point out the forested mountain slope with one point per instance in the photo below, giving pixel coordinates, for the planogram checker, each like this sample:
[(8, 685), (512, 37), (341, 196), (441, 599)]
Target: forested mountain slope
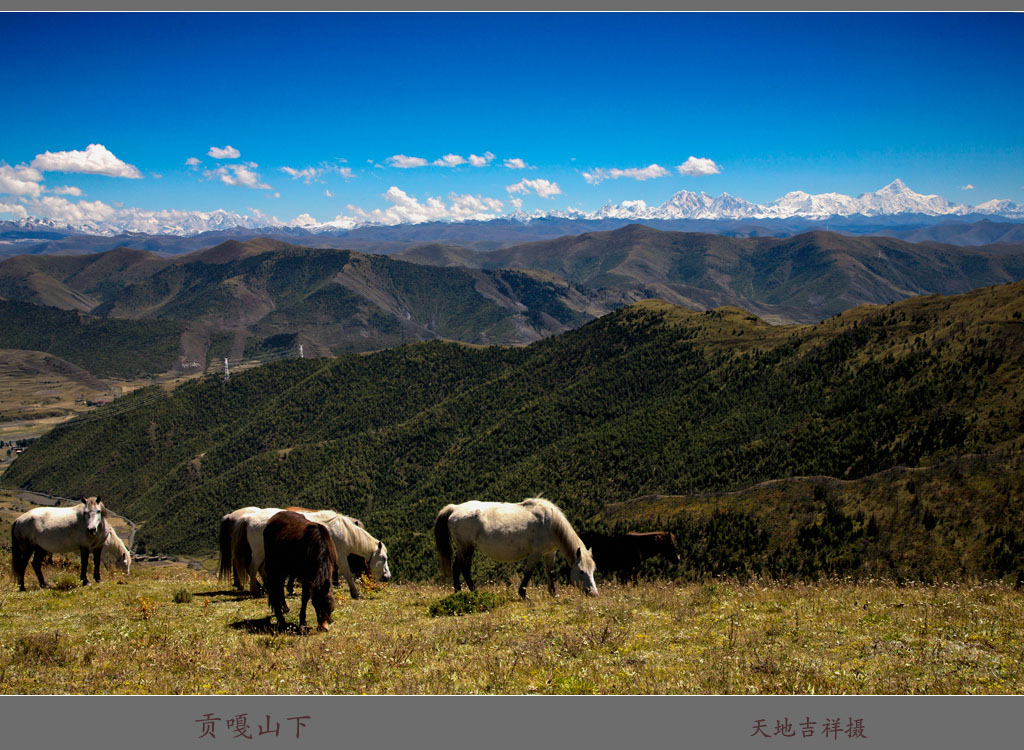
[(652, 399)]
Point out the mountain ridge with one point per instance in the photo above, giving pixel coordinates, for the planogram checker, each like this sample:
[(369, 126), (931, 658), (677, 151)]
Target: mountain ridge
[(893, 200)]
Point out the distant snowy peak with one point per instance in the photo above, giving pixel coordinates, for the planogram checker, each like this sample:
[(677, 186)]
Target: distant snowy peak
[(892, 200)]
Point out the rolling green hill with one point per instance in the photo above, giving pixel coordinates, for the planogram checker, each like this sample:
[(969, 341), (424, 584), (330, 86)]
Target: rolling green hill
[(650, 400), (102, 346), (341, 301), (803, 279)]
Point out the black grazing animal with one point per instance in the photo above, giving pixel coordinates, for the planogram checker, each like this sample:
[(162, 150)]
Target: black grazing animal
[(623, 554), (294, 545), (355, 563)]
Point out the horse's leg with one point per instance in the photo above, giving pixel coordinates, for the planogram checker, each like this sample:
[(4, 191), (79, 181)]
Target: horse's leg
[(96, 564), (276, 596), (85, 565), (467, 566), (19, 561), (549, 565), (347, 572), (37, 566), (305, 600), (531, 563), (254, 582), (457, 571), (291, 585)]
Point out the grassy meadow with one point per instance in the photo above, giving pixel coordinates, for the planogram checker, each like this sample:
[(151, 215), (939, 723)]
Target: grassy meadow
[(174, 630)]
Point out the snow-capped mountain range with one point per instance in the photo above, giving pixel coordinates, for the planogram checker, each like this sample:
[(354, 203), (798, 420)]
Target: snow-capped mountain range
[(894, 199)]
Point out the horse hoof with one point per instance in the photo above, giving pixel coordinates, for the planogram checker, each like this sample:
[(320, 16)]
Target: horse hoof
[(321, 628), (522, 593)]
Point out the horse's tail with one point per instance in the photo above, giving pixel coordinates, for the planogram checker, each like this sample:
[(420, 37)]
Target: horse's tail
[(15, 551), (321, 547), (241, 552), (225, 548), (443, 539)]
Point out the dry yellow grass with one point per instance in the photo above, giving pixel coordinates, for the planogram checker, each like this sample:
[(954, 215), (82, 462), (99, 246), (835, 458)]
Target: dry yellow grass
[(129, 636)]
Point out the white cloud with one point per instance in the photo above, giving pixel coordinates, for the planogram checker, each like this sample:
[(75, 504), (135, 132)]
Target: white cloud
[(96, 159), (643, 173), (517, 203), (967, 187), (473, 206), (192, 162), (228, 152), (406, 162), (304, 220), (13, 208), (328, 193), (516, 164), (543, 188), (310, 175), (449, 160), (63, 210), (406, 209), (698, 167), (67, 190), (481, 161), (238, 174), (20, 180)]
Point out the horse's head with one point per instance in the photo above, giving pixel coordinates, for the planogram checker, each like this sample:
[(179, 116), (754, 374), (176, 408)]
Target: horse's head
[(93, 514), (379, 564), (581, 572), (123, 562), (670, 552)]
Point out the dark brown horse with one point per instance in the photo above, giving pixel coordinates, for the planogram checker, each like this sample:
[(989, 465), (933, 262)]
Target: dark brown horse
[(296, 546), (355, 563), (623, 554)]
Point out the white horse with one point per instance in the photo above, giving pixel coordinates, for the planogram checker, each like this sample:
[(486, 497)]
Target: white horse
[(250, 557), (115, 552), (350, 538), (507, 532), (45, 530), (227, 532)]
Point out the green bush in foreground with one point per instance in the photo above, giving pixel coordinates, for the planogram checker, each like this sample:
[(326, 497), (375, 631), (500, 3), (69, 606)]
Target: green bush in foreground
[(65, 582), (182, 596), (466, 602)]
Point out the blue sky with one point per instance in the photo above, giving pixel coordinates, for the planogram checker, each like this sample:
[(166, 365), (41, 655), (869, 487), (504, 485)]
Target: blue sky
[(775, 102)]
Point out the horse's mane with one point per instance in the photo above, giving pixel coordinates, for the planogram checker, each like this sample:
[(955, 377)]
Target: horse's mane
[(563, 530)]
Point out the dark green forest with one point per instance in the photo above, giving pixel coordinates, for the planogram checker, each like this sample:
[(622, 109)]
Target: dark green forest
[(104, 346), (649, 400)]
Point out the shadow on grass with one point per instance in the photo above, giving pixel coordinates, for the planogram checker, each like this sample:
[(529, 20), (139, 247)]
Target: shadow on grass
[(230, 594), (266, 626)]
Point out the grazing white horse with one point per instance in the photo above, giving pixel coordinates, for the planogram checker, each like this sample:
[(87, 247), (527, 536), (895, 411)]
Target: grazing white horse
[(250, 557), (227, 532), (350, 538), (44, 530), (247, 552), (115, 553), (534, 529)]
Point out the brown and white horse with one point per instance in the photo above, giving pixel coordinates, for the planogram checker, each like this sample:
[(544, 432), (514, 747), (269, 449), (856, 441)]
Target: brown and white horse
[(296, 546), (45, 530)]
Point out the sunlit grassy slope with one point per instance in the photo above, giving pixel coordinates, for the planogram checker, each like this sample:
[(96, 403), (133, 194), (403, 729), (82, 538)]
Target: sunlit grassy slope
[(130, 636)]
